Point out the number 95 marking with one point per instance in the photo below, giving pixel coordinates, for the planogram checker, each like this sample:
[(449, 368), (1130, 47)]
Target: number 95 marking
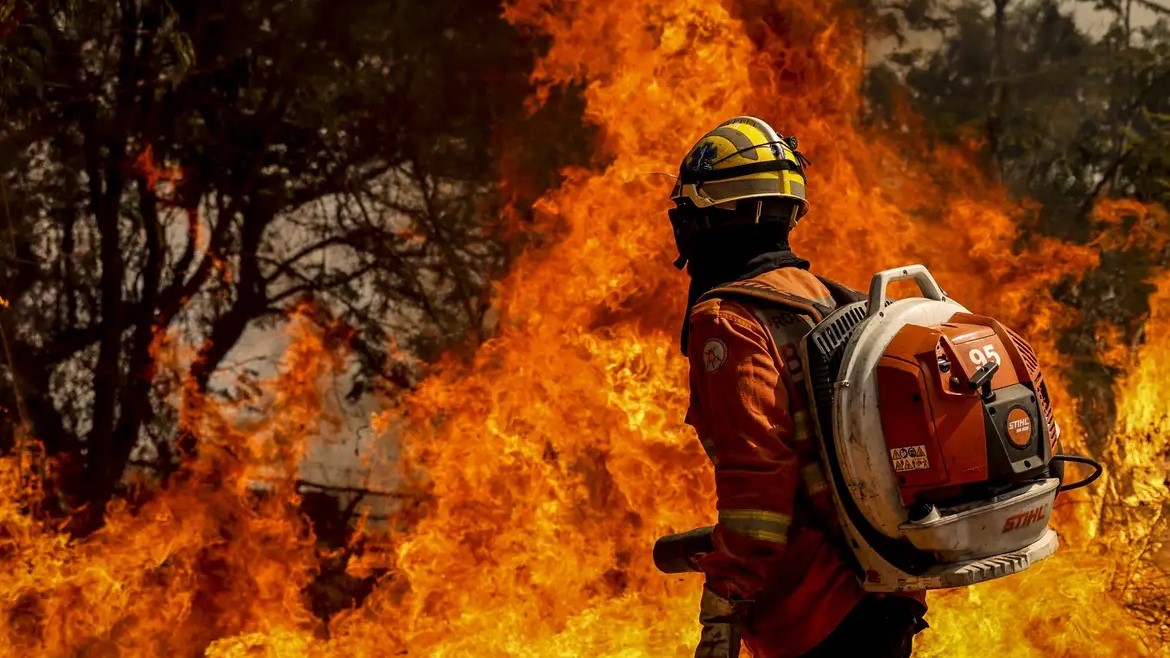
[(980, 357)]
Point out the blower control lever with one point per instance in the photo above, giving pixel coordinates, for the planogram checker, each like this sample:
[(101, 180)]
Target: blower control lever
[(982, 379)]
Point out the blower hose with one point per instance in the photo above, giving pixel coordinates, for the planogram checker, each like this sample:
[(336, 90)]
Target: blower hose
[(1098, 469)]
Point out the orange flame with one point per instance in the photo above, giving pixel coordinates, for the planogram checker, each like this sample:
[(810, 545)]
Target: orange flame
[(558, 454), (162, 181), (210, 557)]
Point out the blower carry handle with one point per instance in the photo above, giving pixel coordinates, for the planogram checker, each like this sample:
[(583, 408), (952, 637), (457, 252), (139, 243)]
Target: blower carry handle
[(926, 284)]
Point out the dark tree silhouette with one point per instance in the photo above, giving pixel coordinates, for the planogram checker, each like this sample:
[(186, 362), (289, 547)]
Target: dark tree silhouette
[(199, 166)]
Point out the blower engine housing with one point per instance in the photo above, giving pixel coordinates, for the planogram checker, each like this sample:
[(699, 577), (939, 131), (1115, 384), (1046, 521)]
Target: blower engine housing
[(937, 436)]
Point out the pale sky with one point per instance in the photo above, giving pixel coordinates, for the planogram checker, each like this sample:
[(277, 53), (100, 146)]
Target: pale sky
[(1094, 21), (1098, 21)]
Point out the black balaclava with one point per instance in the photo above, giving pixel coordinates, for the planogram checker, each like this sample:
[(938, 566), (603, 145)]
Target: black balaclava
[(737, 253)]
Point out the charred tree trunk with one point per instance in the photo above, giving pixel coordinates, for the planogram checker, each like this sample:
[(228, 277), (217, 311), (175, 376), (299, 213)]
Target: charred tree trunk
[(124, 374), (1113, 177), (251, 300), (135, 397), (15, 392), (998, 89)]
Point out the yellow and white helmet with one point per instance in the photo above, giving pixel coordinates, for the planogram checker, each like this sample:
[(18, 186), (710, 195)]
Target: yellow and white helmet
[(742, 158)]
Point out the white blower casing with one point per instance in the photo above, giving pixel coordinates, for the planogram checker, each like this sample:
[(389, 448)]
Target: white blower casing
[(962, 531)]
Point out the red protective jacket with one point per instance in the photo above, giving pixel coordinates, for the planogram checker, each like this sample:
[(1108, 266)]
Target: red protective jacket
[(750, 409)]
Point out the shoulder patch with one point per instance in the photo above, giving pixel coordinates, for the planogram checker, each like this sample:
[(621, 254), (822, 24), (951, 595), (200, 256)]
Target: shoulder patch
[(714, 354), (706, 307)]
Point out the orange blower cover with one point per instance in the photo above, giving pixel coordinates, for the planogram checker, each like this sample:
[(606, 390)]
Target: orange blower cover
[(932, 418)]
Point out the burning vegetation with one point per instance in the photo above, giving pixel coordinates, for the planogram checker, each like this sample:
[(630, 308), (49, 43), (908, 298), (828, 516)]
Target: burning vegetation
[(542, 467)]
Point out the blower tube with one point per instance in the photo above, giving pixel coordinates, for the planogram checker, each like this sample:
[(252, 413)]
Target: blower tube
[(678, 553), (1077, 459)]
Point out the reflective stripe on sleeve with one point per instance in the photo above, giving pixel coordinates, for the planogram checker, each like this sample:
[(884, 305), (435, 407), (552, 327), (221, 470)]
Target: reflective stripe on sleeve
[(757, 524)]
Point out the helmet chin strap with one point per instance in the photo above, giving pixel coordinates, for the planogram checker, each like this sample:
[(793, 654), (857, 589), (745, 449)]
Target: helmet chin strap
[(682, 231)]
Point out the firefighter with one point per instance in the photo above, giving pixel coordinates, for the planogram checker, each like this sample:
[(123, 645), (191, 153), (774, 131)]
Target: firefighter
[(777, 575)]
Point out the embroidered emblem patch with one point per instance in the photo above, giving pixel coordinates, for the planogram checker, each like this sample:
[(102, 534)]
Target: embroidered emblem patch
[(714, 354)]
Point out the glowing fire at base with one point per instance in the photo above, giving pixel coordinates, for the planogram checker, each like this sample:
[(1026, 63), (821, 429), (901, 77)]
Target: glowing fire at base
[(558, 455)]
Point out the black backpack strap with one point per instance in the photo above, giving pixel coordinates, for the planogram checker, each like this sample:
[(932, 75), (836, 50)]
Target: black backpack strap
[(841, 293), (752, 292), (749, 291)]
